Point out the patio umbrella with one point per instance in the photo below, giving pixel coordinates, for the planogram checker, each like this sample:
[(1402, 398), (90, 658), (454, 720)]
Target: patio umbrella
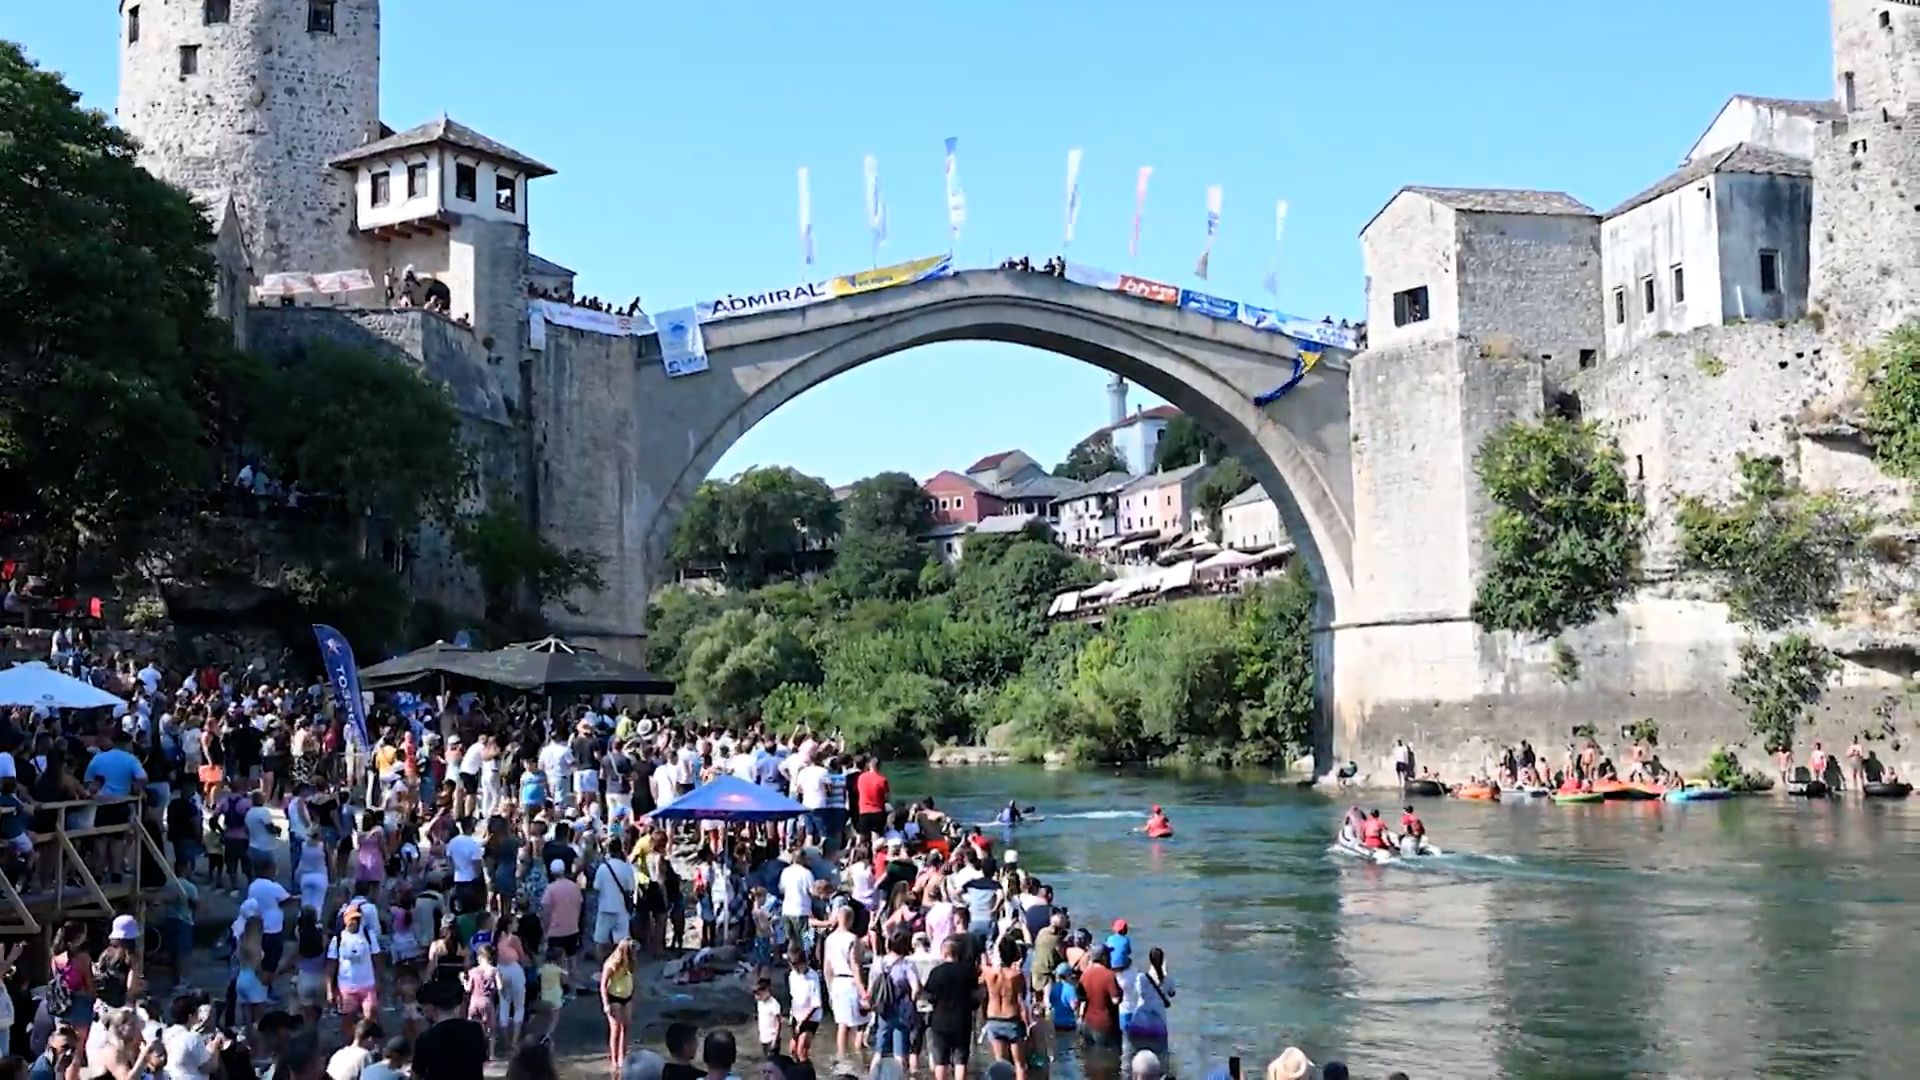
[(39, 685), (557, 667), (729, 798), (408, 668)]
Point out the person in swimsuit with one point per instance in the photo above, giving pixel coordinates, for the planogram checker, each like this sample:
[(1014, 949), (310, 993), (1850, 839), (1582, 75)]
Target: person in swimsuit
[(616, 1000), (1009, 1008), (1856, 765)]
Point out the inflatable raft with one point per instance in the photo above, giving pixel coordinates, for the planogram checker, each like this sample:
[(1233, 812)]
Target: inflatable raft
[(1812, 789), (1699, 794), (1426, 787), (1615, 790), (1899, 789), (1565, 797), (1477, 792)]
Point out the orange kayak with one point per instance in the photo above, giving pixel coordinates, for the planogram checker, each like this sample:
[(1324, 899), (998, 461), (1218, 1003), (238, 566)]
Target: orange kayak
[(1478, 793), (1612, 790)]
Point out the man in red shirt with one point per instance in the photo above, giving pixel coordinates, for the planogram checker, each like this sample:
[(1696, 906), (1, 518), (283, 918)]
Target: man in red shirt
[(1099, 1002), (870, 801)]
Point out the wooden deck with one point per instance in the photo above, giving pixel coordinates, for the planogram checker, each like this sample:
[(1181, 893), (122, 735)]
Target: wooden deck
[(75, 887)]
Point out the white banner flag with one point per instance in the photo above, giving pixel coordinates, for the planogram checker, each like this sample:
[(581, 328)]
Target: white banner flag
[(1139, 207), (1213, 229), (956, 199), (1073, 192), (806, 218), (1279, 232), (876, 204), (683, 347)]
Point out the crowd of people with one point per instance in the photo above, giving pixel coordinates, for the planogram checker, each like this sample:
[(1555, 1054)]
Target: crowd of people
[(591, 303), (432, 900)]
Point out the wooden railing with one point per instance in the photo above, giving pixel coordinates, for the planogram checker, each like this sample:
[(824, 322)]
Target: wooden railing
[(73, 887)]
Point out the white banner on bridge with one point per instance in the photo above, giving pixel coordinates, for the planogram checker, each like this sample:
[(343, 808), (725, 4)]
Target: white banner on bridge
[(683, 348)]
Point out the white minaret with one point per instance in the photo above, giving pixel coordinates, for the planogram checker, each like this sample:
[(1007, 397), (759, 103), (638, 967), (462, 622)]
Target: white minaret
[(1117, 401), (248, 99)]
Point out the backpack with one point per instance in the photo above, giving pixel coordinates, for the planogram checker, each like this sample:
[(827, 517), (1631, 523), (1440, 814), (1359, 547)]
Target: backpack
[(887, 1001), (231, 816)]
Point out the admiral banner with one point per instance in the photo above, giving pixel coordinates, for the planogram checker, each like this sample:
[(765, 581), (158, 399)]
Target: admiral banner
[(813, 292)]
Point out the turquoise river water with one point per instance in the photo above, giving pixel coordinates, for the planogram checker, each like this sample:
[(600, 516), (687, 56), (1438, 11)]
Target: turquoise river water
[(1757, 937)]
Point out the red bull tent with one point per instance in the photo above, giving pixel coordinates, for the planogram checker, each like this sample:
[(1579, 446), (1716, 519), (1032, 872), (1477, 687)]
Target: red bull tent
[(729, 798)]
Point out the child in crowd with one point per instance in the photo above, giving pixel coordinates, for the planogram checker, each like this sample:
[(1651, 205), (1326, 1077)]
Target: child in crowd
[(767, 1011)]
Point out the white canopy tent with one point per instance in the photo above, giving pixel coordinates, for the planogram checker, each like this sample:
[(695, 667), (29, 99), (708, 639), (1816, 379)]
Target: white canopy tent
[(38, 685), (1227, 562)]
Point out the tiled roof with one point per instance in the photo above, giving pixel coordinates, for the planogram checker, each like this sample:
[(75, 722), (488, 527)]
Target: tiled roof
[(991, 461), (1163, 479), (1812, 110), (1503, 200), (445, 131), (546, 267), (1252, 495), (949, 474), (1038, 486), (1104, 484), (1738, 158)]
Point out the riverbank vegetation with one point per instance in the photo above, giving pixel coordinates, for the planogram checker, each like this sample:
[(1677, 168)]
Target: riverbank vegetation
[(1775, 553), (899, 654), (1565, 531), (1779, 682)]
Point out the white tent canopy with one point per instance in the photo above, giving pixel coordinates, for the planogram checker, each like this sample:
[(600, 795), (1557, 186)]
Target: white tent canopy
[(1230, 560), (38, 685)]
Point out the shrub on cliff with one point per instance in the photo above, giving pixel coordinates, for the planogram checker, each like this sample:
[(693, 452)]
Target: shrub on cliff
[(1892, 371), (1565, 532), (1776, 554), (1778, 683)]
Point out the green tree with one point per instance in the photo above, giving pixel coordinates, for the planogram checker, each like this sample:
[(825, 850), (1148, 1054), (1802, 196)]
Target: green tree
[(1776, 553), (755, 525), (1892, 370), (1185, 442), (1779, 683), (1565, 531), (1012, 583), (512, 559), (887, 502), (1091, 457), (115, 374), (735, 661), (368, 429), (1218, 489)]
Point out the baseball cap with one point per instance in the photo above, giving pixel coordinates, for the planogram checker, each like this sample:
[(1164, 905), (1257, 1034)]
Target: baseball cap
[(1062, 970), (1119, 926)]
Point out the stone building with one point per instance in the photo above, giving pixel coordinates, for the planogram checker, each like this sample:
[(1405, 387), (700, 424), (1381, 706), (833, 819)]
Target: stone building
[(247, 100), (1722, 238), (1445, 263), (1788, 126)]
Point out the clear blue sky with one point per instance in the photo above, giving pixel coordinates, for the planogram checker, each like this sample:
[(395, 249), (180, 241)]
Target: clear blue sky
[(676, 130)]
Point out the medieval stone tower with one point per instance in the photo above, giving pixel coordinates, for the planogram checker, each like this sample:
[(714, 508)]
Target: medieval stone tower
[(248, 99), (1866, 202)]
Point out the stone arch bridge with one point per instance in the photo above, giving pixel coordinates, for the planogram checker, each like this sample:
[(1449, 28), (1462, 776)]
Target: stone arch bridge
[(623, 447)]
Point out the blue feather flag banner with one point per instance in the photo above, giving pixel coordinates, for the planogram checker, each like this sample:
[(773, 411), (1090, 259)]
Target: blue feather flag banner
[(343, 678)]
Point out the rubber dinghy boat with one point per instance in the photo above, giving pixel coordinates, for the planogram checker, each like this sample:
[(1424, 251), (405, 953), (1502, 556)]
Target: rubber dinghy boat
[(1699, 794), (1876, 789), (1429, 788), (1564, 797), (1383, 856)]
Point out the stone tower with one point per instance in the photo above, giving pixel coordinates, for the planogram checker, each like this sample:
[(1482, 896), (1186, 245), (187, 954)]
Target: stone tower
[(1866, 171), (248, 99)]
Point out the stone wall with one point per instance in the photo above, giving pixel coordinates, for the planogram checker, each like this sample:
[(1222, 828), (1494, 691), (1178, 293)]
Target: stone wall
[(1412, 242), (269, 103), (1866, 225), (1532, 281)]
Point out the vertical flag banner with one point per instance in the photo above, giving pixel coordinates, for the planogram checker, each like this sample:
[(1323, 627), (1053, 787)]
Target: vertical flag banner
[(1073, 192), (1139, 208), (876, 206), (956, 199), (1279, 231), (806, 218), (1213, 229), (343, 677)]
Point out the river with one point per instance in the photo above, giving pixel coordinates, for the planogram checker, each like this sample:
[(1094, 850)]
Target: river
[(1760, 936)]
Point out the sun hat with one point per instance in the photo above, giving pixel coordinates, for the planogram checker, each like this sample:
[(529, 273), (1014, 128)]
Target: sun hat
[(125, 928), (1292, 1064)]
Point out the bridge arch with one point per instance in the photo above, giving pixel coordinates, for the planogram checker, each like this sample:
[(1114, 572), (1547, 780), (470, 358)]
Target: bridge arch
[(1297, 447)]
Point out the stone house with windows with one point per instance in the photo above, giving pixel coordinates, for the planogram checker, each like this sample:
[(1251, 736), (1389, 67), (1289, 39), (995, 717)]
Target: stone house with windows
[(1090, 512), (1161, 502), (953, 499)]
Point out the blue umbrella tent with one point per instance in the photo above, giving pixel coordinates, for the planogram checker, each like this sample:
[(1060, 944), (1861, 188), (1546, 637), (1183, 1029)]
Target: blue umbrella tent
[(729, 798)]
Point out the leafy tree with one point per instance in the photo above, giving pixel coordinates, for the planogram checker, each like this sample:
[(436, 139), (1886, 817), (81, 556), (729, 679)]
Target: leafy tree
[(1091, 457), (1185, 442), (735, 661), (367, 429), (1218, 489), (1779, 683), (1776, 553), (362, 599), (879, 565), (114, 370), (672, 618), (887, 502), (1565, 532), (1012, 583), (510, 557), (755, 525), (1892, 369)]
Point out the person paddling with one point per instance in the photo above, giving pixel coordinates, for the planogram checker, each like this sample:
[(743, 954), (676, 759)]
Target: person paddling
[(1157, 826)]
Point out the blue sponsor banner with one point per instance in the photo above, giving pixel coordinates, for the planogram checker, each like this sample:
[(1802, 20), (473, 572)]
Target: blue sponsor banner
[(1207, 304), (343, 677)]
